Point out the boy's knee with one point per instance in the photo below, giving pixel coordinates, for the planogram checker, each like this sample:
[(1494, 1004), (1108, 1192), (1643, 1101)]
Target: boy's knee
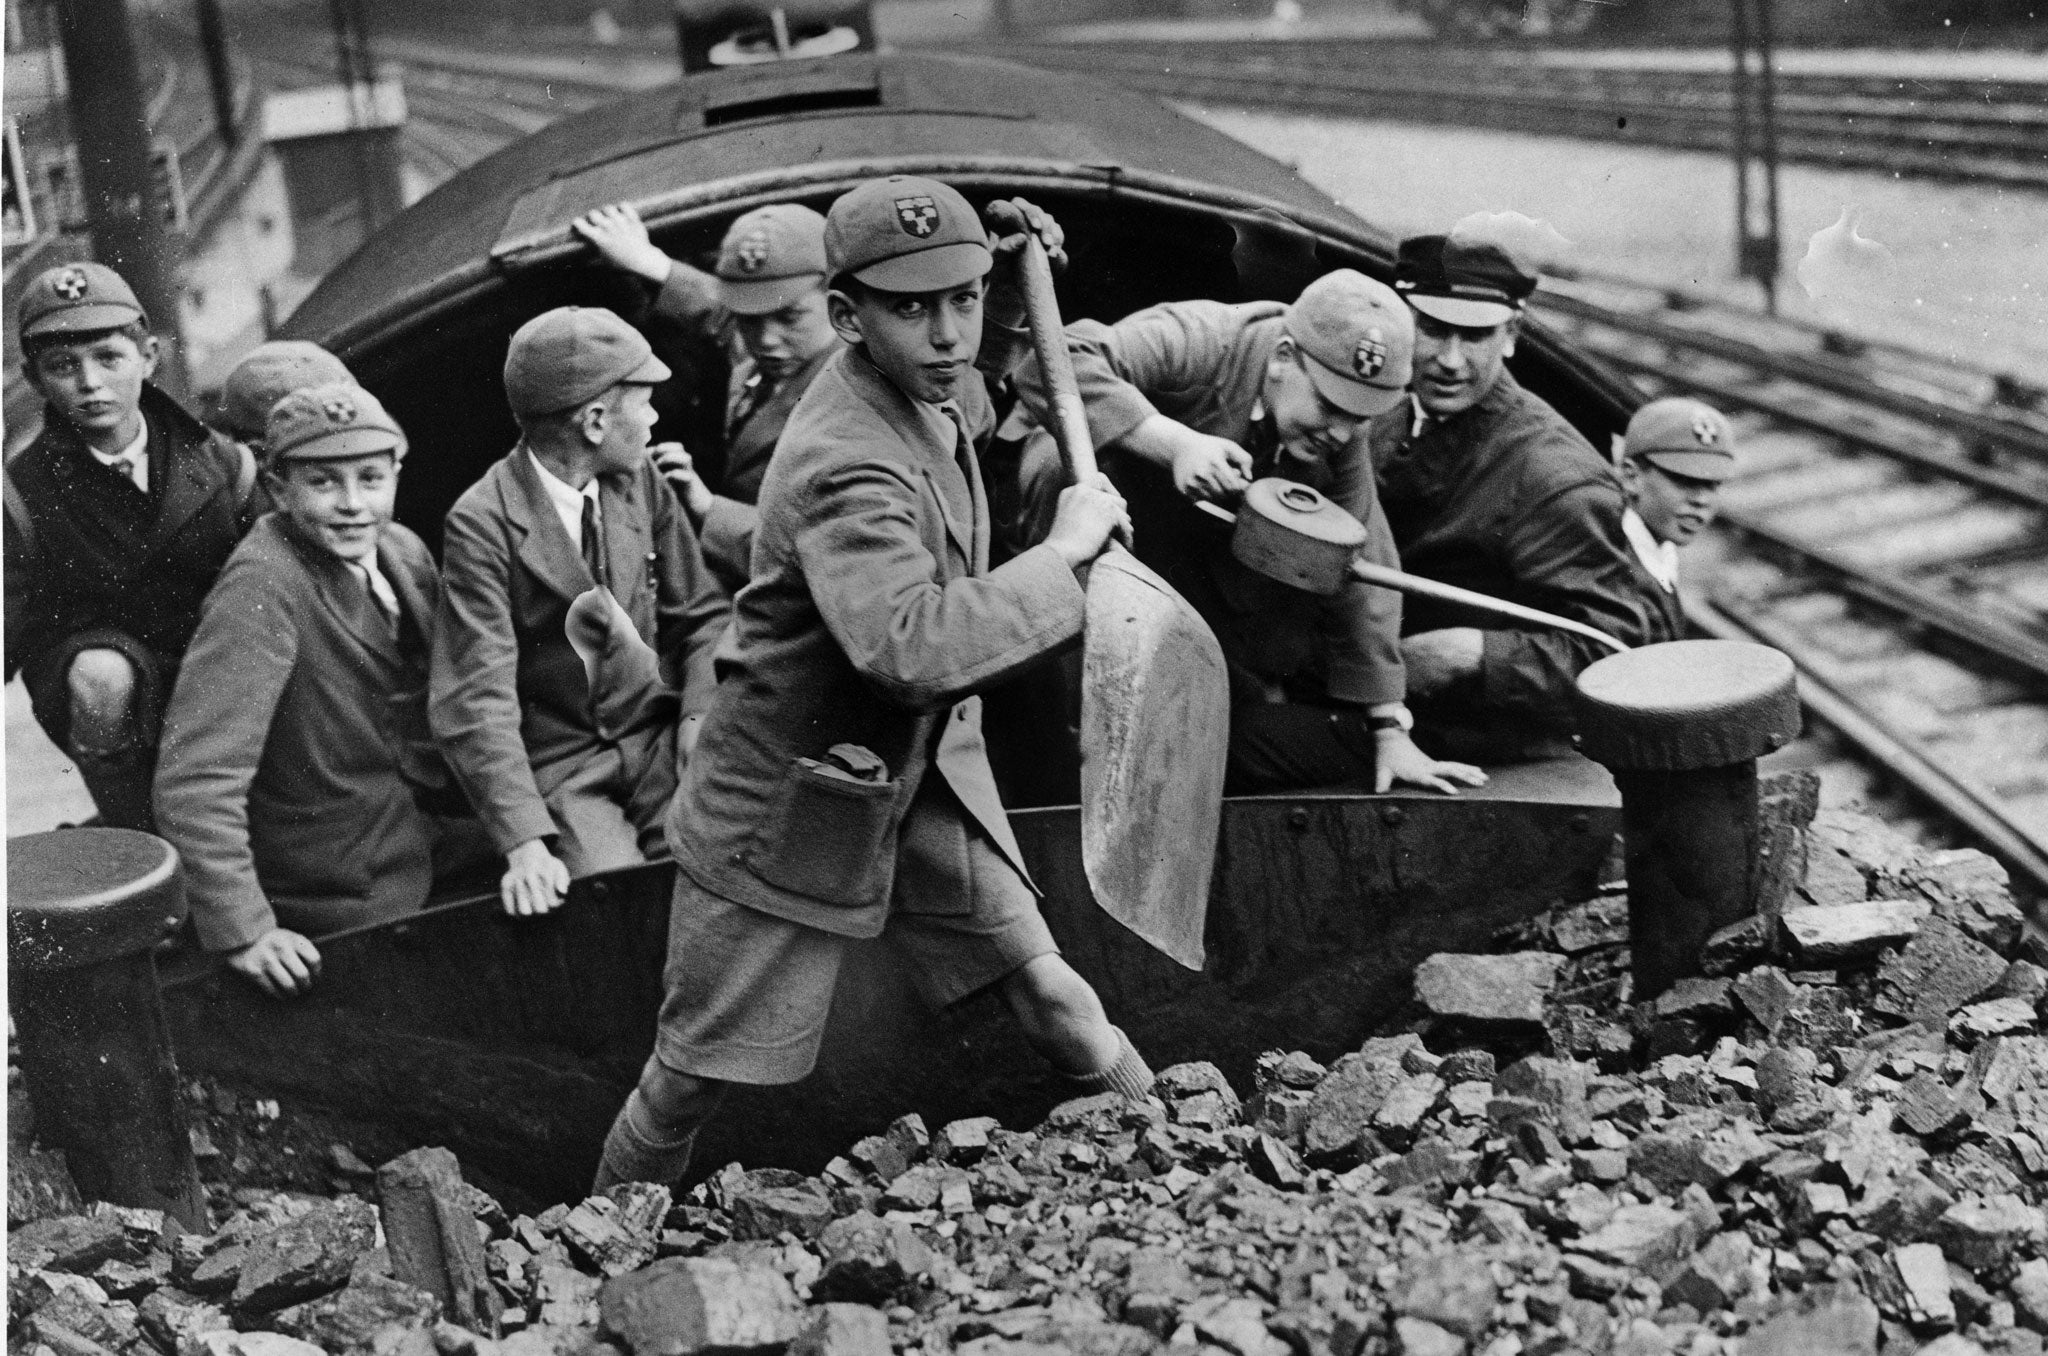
[(1049, 990), (675, 1098), (102, 684)]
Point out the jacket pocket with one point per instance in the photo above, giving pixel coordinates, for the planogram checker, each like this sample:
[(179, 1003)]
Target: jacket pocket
[(832, 825)]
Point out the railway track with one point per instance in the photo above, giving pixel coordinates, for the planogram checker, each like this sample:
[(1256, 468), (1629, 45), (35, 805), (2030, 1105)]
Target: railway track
[(1979, 130), (1887, 528)]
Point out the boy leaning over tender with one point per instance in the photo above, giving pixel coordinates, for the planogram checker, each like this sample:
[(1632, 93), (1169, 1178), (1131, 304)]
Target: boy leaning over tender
[(296, 747), (120, 515)]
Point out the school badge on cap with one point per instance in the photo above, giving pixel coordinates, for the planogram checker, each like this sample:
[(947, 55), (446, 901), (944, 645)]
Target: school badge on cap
[(1704, 429), (751, 252), (1370, 357), (918, 215), (339, 409), (70, 284)]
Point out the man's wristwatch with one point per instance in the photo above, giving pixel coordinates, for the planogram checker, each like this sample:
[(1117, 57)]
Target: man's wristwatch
[(1401, 719)]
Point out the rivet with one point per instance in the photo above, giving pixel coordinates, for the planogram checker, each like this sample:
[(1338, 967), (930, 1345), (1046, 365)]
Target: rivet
[(1581, 823), (1392, 814), (1297, 819)]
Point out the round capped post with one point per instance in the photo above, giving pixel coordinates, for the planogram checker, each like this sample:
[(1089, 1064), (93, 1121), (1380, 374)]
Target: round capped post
[(1681, 726), (85, 911)]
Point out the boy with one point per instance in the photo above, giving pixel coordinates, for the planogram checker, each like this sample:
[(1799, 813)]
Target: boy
[(1197, 399), (571, 776), (295, 744), (841, 788), (267, 374), (119, 517), (765, 305), (1674, 457)]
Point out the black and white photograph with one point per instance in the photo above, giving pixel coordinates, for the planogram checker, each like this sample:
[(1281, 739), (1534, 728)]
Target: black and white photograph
[(1026, 677)]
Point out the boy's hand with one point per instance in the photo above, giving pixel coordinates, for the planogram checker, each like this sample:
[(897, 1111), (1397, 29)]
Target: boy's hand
[(1398, 762), (535, 879), (1089, 517), (679, 469), (1010, 220), (1437, 659), (1204, 467), (620, 238), (280, 962)]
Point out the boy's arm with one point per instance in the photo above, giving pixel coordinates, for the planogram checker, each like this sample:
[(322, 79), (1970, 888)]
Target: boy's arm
[(24, 621), (687, 297), (473, 683), (923, 643), (690, 608), (215, 728), (727, 537)]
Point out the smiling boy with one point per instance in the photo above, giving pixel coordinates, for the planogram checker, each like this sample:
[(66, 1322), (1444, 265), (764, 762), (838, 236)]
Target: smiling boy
[(119, 517), (295, 745)]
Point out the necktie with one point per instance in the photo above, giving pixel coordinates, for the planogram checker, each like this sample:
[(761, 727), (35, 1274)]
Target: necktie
[(753, 395), (381, 594), (593, 543), (125, 467)]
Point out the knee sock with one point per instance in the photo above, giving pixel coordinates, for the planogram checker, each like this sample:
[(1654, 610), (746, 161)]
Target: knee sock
[(1128, 1075), (634, 1151), (119, 780)]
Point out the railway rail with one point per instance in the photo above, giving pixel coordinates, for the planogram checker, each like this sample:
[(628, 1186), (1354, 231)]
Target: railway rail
[(1980, 130)]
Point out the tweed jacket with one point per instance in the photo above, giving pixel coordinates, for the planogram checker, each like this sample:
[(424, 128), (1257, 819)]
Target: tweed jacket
[(509, 699), (872, 621), (1203, 363), (296, 737)]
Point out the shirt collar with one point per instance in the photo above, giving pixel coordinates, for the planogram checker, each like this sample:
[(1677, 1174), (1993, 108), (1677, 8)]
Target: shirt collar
[(133, 449), (1660, 558), (565, 496)]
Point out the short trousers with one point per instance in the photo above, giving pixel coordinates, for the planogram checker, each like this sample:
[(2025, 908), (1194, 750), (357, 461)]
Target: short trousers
[(47, 677), (749, 993), (609, 808)]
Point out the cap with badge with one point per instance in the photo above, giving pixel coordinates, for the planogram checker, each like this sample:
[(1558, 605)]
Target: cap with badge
[(905, 234), (331, 422), (1683, 436), (770, 257), (77, 299), (572, 354), (1473, 284), (270, 372), (1357, 339)]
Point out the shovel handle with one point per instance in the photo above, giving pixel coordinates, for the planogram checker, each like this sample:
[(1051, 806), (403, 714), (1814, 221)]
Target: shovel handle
[(1049, 339), (1450, 593)]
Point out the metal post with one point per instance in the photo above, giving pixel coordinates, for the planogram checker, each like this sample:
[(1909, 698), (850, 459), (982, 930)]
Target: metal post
[(1755, 144), (85, 911), (110, 125), (1768, 247), (220, 76), (1681, 726)]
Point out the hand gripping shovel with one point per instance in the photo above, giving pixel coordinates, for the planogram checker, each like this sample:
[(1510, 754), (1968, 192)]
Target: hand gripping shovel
[(1155, 704)]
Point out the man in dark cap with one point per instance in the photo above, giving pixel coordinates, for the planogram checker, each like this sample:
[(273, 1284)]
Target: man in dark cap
[(765, 304), (841, 788), (119, 517), (1675, 456), (267, 374), (1486, 487), (296, 751), (570, 759), (1191, 401)]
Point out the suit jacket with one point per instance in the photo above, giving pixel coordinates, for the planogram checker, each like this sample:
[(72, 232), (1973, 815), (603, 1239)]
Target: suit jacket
[(85, 549), (754, 419), (1507, 498), (509, 699), (871, 622), (295, 739), (1203, 363)]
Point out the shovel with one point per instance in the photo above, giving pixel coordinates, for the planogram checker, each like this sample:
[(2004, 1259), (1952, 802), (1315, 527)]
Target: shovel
[(1155, 699)]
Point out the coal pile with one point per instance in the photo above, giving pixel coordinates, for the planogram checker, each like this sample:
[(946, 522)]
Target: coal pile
[(1832, 1143)]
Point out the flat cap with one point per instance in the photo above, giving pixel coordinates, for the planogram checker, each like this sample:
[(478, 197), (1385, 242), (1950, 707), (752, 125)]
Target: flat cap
[(1469, 283), (1358, 341), (331, 422), (77, 299), (1684, 436), (269, 373), (572, 354), (906, 234), (770, 257)]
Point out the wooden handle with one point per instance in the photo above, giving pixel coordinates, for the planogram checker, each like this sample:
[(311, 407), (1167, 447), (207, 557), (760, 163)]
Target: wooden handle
[(1479, 602), (1049, 340)]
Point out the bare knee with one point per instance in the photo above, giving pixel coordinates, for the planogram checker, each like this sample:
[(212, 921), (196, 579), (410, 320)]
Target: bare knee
[(102, 684), (1061, 1014), (675, 1098)]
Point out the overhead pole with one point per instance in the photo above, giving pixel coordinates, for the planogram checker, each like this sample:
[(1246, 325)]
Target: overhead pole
[(1753, 85), (110, 125)]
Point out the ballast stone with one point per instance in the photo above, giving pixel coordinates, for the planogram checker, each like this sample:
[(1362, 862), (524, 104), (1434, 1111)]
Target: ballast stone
[(1509, 989), (696, 1306)]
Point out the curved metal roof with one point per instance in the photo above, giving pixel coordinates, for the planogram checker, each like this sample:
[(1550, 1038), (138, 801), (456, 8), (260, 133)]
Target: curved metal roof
[(718, 143)]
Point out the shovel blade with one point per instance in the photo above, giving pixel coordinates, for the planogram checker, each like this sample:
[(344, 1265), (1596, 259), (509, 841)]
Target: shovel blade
[(1155, 726)]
